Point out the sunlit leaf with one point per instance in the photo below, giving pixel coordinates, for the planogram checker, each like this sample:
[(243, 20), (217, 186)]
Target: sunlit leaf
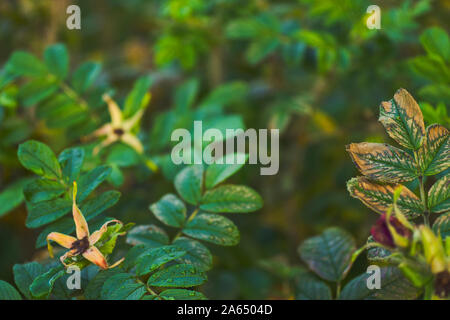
[(403, 120), (439, 195), (379, 197), (382, 162), (442, 225), (434, 155)]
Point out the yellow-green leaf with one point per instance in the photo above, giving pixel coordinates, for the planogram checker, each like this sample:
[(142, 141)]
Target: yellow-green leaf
[(434, 156), (439, 195), (379, 161), (403, 120), (379, 197)]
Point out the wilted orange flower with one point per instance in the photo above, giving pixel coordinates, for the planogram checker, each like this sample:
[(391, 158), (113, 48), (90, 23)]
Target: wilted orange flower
[(119, 129), (84, 243)]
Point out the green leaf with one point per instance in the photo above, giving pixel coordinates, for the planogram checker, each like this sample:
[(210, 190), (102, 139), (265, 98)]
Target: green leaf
[(122, 286), (42, 286), (382, 162), (394, 286), (442, 225), (189, 184), (170, 210), (23, 63), (90, 208), (258, 50), (149, 235), (309, 287), (225, 94), (136, 98), (436, 42), (379, 197), (12, 196), (329, 254), (43, 190), (231, 198), (185, 95), (154, 258), (439, 195), (213, 228), (71, 161), (181, 294), (434, 156), (85, 75), (196, 253), (45, 212), (39, 158), (132, 255), (8, 292), (180, 275), (403, 120), (36, 91), (216, 172), (94, 288), (57, 60), (24, 275), (91, 180)]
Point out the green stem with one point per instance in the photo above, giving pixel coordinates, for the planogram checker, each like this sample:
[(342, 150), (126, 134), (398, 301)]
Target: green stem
[(73, 95), (423, 195), (191, 217), (338, 290)]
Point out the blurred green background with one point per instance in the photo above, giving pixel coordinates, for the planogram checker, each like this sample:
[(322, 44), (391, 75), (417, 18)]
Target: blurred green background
[(308, 67)]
